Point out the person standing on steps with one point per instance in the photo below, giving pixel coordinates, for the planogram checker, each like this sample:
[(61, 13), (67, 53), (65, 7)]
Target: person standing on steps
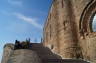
[(17, 45)]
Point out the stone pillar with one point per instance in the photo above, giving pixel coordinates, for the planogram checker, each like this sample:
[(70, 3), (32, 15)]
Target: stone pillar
[(67, 30)]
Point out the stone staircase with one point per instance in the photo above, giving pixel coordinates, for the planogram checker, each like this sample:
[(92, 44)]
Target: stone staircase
[(47, 56), (44, 52), (37, 53)]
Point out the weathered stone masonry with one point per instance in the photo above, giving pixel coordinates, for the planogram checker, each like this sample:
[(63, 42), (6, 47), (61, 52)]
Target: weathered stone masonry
[(68, 31)]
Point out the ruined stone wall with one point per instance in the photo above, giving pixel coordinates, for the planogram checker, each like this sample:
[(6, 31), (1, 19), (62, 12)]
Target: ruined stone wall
[(65, 28), (24, 56), (62, 22), (8, 49)]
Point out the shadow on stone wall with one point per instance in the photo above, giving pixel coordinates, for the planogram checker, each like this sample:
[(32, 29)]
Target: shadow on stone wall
[(47, 56), (44, 52)]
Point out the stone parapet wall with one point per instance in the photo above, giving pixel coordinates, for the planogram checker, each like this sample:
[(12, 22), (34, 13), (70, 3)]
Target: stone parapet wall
[(8, 49)]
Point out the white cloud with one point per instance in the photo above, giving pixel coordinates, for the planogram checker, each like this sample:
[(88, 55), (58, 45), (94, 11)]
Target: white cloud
[(32, 21), (15, 2)]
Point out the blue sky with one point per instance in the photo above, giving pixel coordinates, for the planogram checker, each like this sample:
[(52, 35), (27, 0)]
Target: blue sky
[(21, 19)]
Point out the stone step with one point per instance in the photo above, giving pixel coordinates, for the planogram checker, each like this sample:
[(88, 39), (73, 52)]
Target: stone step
[(43, 52), (64, 61)]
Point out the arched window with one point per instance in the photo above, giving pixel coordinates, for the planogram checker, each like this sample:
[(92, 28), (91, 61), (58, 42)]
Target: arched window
[(88, 19)]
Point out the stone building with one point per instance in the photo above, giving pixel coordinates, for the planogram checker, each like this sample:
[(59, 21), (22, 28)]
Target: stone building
[(68, 36), (68, 29)]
